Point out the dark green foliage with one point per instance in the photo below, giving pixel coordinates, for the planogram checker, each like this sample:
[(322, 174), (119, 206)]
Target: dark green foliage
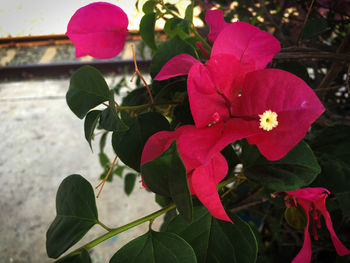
[(155, 247), (76, 214), (129, 182), (166, 175), (215, 240), (297, 169), (147, 30), (90, 125), (128, 145)]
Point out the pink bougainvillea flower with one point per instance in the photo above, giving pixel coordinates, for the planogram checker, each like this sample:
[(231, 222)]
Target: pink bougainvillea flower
[(203, 174), (313, 201), (98, 30), (275, 108)]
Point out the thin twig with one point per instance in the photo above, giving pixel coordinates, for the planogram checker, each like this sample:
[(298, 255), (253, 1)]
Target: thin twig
[(140, 75), (306, 18), (106, 177)]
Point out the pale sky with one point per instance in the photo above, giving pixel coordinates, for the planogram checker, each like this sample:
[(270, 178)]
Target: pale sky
[(43, 17)]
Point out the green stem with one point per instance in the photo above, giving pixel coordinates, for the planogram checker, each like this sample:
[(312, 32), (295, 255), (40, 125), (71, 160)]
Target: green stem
[(121, 229), (145, 106)]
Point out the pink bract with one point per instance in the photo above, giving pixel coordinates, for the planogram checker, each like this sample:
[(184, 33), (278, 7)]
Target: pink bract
[(203, 173), (98, 30), (313, 201), (216, 22)]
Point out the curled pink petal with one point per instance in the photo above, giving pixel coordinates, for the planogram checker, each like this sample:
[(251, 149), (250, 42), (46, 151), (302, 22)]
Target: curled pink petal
[(304, 255), (320, 204), (216, 22), (309, 193), (98, 30), (247, 43), (177, 66), (204, 180), (207, 105)]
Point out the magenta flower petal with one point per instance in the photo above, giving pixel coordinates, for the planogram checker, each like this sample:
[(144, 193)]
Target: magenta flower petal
[(320, 204), (99, 30), (295, 103), (304, 255), (177, 66), (247, 43), (212, 87), (216, 22), (204, 180)]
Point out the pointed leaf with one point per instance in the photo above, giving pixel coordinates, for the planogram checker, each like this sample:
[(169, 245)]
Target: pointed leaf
[(128, 145), (147, 24), (189, 12), (76, 214), (215, 240), (297, 169), (90, 124), (129, 182), (87, 89), (148, 7), (155, 247)]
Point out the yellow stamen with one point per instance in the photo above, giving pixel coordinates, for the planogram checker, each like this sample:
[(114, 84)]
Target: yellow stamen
[(268, 120)]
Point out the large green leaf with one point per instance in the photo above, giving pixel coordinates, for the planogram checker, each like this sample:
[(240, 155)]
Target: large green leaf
[(82, 257), (332, 145), (215, 240), (90, 124), (168, 50), (166, 175), (297, 169), (155, 247), (87, 89), (76, 214), (147, 24), (129, 144)]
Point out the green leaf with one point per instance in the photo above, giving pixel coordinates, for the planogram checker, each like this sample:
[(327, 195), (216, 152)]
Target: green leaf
[(189, 13), (90, 124), (215, 240), (110, 120), (314, 27), (148, 7), (87, 89), (295, 217), (166, 175), (297, 169), (168, 50), (177, 27), (76, 214), (155, 247), (103, 141), (129, 182), (104, 160), (82, 257), (128, 145), (147, 24)]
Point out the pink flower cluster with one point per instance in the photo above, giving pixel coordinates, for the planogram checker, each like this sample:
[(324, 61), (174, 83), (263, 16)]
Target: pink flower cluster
[(232, 96)]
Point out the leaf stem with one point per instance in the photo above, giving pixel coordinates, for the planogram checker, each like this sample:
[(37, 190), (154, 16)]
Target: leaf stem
[(104, 226), (121, 229), (145, 106)]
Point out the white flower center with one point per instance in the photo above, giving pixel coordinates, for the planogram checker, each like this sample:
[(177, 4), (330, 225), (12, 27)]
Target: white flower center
[(268, 120)]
